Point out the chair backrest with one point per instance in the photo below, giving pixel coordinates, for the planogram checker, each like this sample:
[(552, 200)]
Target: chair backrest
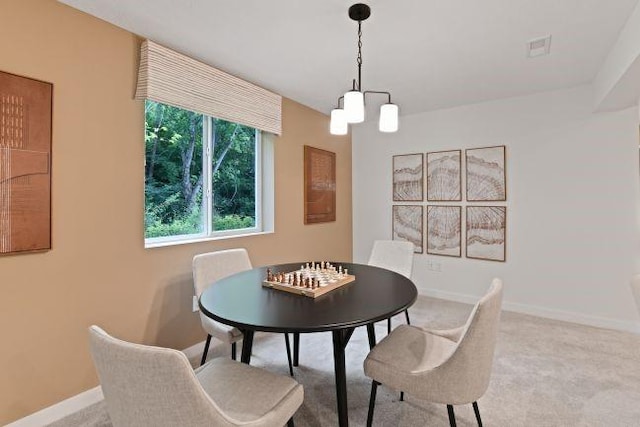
[(635, 288), (394, 255), (473, 357), (213, 266), (150, 386)]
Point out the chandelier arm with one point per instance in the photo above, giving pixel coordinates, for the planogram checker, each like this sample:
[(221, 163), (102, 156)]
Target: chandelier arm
[(379, 92)]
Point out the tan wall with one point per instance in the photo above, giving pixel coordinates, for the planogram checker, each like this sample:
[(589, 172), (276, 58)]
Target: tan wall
[(98, 270)]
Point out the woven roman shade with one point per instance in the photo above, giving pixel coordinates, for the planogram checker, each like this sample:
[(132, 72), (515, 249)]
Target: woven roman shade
[(171, 78)]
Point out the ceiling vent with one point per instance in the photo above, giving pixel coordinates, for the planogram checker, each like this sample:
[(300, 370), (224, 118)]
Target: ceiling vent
[(539, 47)]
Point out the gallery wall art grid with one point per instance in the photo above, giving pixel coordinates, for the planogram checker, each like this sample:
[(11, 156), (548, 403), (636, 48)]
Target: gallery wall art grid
[(485, 180)]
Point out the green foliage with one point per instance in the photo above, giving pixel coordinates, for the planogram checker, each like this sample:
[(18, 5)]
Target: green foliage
[(174, 172), (233, 222), (190, 224)]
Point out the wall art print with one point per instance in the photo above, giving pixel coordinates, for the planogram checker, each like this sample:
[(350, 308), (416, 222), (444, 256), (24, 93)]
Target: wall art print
[(444, 176), (444, 236), (407, 225), (408, 178), (486, 178), (319, 185), (486, 232), (25, 164)]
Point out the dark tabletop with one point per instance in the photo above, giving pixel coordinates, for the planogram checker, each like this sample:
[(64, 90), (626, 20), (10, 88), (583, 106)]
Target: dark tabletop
[(240, 300)]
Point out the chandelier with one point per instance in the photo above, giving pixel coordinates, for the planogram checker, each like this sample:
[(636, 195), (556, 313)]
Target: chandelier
[(353, 100)]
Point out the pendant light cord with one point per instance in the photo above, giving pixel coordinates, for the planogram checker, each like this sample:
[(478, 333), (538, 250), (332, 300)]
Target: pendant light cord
[(359, 59)]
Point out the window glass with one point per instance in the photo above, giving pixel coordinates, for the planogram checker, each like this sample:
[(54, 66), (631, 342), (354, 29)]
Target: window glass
[(200, 174), (234, 175)]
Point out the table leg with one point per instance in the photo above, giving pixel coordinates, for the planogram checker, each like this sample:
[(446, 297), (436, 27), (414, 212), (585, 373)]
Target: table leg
[(371, 332), (340, 340), (247, 344), (296, 347)]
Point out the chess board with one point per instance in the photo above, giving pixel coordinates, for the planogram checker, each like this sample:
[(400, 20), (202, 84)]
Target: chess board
[(323, 278)]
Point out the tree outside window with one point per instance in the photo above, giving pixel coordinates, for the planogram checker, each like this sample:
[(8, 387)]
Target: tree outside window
[(200, 173)]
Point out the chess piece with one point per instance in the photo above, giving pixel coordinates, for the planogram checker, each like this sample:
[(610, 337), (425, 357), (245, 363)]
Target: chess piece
[(340, 269), (307, 283), (269, 275), (346, 271), (289, 279)]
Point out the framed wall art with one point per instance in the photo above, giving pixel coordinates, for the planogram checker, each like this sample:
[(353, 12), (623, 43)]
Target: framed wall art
[(486, 232), (25, 164), (408, 178), (444, 176), (407, 225), (319, 185), (486, 178), (444, 236)]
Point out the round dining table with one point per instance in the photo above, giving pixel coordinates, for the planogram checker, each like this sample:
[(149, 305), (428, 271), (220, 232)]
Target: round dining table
[(376, 294)]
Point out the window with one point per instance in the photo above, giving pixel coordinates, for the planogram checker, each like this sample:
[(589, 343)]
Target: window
[(202, 176)]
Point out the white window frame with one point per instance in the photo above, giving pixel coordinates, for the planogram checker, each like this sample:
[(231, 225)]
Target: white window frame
[(264, 194)]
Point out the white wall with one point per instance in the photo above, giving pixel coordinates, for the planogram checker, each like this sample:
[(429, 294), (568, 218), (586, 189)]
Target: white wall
[(617, 85), (572, 212)]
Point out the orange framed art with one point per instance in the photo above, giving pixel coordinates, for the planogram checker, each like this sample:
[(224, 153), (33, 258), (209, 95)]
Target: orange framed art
[(25, 164), (319, 185)]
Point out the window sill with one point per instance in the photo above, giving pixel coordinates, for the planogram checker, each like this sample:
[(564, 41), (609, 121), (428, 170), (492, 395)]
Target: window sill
[(203, 239)]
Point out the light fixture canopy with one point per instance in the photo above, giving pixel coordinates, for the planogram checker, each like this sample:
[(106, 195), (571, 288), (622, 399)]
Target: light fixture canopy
[(354, 100)]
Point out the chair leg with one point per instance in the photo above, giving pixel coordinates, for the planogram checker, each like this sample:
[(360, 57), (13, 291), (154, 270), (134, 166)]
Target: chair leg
[(290, 422), (388, 325), (406, 314), (452, 416), (372, 402), (206, 350), (234, 351), (477, 411), (286, 341), (402, 396)]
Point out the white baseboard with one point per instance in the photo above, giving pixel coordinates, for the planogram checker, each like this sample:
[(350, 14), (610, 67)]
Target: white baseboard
[(61, 409), (80, 401), (566, 316)]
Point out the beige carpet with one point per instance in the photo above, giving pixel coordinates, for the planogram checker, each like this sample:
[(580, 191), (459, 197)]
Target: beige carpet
[(546, 373)]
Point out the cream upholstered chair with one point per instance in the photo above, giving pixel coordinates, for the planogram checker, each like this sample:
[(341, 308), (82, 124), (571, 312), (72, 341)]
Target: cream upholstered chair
[(451, 366), (635, 288), (394, 255), (207, 269), (153, 386)]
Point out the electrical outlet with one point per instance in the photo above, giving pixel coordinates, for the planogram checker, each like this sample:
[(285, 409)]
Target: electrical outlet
[(195, 304)]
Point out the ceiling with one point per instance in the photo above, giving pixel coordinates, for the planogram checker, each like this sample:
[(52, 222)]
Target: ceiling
[(429, 54)]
